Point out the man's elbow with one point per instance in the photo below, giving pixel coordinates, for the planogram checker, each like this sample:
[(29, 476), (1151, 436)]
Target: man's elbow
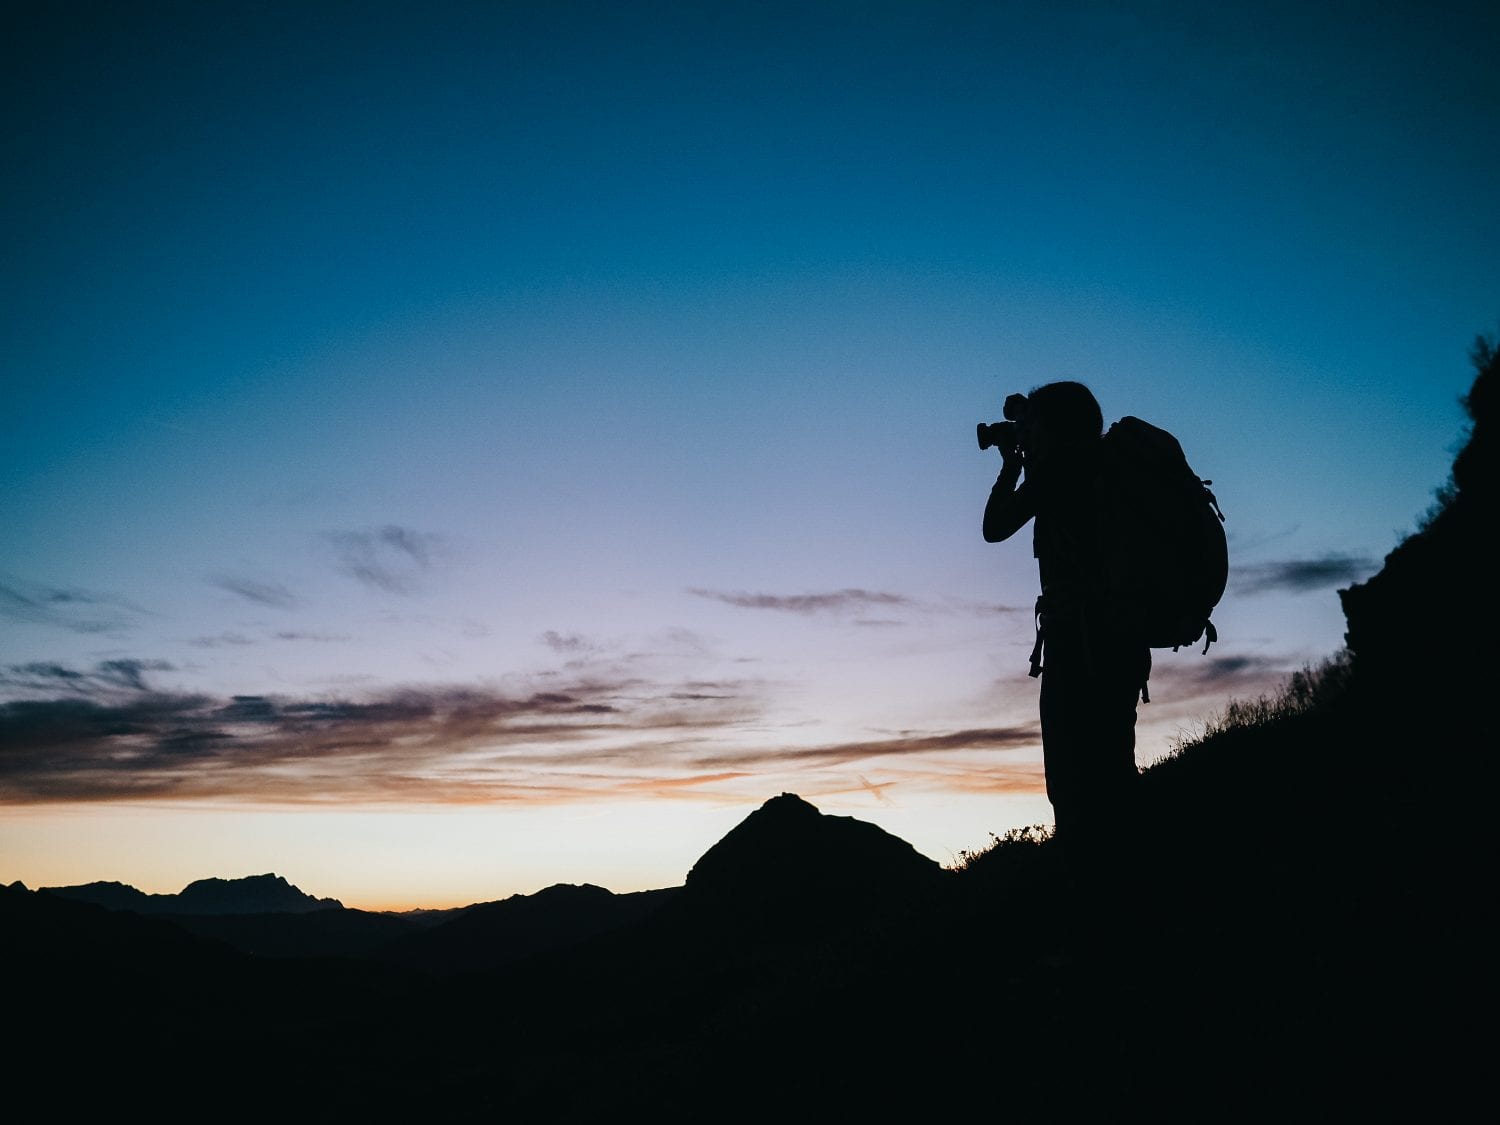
[(1000, 526)]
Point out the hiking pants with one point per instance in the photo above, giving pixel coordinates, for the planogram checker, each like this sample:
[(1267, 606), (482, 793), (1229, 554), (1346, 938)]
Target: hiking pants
[(1091, 680)]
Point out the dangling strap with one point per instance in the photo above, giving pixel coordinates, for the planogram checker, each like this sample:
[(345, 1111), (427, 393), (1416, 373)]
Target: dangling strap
[(1210, 635), (1036, 649)]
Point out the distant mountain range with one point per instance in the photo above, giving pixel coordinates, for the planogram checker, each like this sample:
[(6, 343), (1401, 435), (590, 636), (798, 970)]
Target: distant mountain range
[(755, 875), (1309, 936), (254, 894)]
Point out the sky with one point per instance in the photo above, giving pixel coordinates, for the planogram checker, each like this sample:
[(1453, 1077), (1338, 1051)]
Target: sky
[(452, 449)]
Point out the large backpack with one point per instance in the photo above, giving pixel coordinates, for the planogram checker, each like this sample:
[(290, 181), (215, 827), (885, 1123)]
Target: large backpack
[(1166, 559)]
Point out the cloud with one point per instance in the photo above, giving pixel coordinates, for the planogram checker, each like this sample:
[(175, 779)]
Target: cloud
[(271, 594), (110, 734), (1185, 686), (853, 600), (568, 643), (222, 640), (108, 679), (624, 657), (969, 608), (1299, 576), (836, 601), (1023, 736), (390, 558), (41, 676), (129, 674), (240, 640), (79, 611)]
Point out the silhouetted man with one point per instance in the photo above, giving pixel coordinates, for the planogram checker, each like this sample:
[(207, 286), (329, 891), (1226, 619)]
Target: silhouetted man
[(1092, 666)]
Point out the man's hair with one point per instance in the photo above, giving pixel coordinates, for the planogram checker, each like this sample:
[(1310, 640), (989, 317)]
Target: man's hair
[(1068, 409)]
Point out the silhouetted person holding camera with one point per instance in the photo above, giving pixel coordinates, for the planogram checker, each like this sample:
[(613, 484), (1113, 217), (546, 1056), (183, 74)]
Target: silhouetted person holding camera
[(1093, 665)]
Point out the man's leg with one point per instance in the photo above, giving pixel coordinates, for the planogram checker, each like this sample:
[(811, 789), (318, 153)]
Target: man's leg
[(1088, 711)]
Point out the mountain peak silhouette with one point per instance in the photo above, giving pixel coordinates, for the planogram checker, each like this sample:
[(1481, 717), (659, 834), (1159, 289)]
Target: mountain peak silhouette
[(253, 894), (789, 856)]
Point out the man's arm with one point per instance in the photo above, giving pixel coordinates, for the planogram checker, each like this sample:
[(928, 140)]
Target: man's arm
[(1009, 506)]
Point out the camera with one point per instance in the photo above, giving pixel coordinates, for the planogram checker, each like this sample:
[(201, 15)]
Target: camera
[(1005, 436)]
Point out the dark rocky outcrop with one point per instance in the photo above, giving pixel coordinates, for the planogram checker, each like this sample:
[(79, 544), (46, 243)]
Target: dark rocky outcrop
[(787, 846), (1424, 627), (789, 862)]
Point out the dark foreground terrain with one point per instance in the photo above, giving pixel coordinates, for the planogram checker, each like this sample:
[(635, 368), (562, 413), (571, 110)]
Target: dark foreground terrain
[(1323, 954)]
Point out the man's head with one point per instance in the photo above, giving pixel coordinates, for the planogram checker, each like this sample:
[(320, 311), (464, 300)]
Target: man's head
[(1061, 418), (1068, 410)]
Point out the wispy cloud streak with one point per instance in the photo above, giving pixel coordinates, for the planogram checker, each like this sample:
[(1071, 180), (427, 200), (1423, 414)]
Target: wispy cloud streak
[(271, 594), (1300, 576), (79, 611), (107, 679), (835, 601), (390, 558), (900, 745)]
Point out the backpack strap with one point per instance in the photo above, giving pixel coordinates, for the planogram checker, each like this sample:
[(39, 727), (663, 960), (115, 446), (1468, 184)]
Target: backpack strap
[(1036, 649), (1213, 501)]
